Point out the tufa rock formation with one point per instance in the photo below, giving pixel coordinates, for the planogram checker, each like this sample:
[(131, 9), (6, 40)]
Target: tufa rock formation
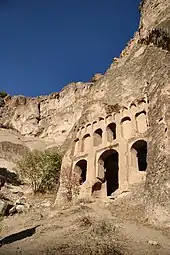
[(120, 120)]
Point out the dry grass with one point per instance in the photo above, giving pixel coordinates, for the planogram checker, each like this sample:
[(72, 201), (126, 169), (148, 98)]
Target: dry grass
[(83, 249), (96, 225), (86, 242), (89, 235)]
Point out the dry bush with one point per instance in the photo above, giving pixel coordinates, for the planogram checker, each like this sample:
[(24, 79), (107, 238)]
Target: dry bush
[(70, 183), (102, 227), (87, 247), (3, 94), (85, 221), (41, 169), (86, 242), (98, 226)]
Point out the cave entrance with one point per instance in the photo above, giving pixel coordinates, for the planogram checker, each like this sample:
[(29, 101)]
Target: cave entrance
[(110, 162), (139, 155), (81, 171)]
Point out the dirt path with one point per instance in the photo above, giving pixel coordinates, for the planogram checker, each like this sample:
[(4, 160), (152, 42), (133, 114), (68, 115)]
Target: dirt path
[(69, 231)]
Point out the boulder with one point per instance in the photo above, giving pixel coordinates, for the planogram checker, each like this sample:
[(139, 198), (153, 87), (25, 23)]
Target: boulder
[(21, 201), (20, 208)]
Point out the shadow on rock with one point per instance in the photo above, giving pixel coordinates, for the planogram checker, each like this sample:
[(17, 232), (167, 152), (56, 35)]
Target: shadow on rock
[(10, 177)]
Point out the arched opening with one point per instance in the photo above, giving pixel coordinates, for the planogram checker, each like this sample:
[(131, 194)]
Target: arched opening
[(76, 146), (133, 107), (111, 132), (141, 102), (86, 143), (101, 118), (80, 171), (141, 122), (126, 127), (109, 118), (97, 139), (139, 155), (109, 164), (125, 111)]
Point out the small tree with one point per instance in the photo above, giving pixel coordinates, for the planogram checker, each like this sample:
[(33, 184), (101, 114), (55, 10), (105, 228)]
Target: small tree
[(3, 94), (41, 169)]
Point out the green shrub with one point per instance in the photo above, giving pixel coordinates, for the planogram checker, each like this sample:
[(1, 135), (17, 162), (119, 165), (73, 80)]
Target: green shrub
[(41, 169), (3, 94)]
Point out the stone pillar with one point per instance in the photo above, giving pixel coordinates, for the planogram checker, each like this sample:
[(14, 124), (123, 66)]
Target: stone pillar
[(123, 163)]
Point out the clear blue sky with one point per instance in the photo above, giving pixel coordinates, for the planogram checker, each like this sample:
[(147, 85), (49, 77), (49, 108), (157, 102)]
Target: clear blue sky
[(45, 44)]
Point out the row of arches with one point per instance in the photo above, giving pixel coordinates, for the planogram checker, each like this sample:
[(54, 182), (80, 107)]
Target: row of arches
[(137, 106), (127, 130), (97, 138), (108, 166), (140, 104), (127, 127), (133, 107)]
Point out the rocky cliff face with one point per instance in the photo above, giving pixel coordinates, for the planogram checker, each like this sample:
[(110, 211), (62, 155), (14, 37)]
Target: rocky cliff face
[(142, 69)]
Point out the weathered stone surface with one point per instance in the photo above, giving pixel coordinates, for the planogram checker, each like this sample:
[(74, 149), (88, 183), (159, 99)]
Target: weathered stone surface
[(141, 71), (3, 207), (96, 77), (21, 201)]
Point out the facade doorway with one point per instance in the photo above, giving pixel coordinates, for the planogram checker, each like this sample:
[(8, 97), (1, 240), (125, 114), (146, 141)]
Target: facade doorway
[(109, 165), (139, 155), (80, 171)]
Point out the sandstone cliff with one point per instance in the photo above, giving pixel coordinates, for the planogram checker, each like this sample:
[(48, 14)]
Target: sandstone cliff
[(142, 69)]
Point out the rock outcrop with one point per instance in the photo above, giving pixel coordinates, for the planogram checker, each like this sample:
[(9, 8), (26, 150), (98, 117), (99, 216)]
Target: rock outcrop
[(143, 69)]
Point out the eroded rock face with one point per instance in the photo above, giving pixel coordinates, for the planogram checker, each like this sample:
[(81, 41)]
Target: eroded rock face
[(142, 70), (49, 117)]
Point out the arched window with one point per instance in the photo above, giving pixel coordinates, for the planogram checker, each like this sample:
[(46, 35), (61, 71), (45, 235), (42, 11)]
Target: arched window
[(86, 143), (97, 137), (88, 125), (125, 110), (101, 118), (76, 146), (111, 132), (141, 122), (139, 155), (109, 118), (80, 171), (126, 127), (142, 102), (133, 107)]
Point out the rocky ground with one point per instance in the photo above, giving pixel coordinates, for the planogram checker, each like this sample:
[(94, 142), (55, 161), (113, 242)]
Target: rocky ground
[(118, 226)]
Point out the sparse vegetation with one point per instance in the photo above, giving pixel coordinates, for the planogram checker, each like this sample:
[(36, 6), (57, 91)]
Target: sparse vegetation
[(71, 184), (159, 37), (41, 170), (85, 221), (98, 226), (3, 94)]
